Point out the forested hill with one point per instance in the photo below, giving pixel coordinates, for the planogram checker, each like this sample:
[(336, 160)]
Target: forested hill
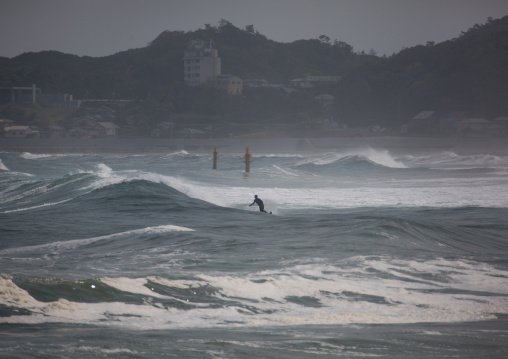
[(468, 73), (135, 73)]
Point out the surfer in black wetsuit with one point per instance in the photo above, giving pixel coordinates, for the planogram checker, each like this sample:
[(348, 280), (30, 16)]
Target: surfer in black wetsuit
[(259, 202)]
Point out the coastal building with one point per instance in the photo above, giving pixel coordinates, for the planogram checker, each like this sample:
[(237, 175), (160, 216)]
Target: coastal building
[(164, 128), (107, 129), (201, 62), (423, 123), (231, 84), (23, 95), (15, 95), (312, 81), (255, 83), (53, 131), (480, 127), (90, 126), (54, 100), (20, 132), (5, 123)]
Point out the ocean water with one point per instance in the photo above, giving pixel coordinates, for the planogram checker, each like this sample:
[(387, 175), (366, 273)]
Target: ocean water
[(367, 253)]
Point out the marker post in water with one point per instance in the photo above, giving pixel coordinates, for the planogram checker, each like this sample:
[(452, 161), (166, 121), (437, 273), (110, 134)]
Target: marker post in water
[(215, 158), (247, 160)]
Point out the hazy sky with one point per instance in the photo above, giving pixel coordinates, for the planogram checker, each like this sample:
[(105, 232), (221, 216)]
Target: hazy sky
[(105, 27)]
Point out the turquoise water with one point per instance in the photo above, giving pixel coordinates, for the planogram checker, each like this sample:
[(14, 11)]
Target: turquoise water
[(367, 253)]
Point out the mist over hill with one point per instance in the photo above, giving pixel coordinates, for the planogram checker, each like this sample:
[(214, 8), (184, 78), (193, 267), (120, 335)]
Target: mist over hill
[(468, 73), (245, 53)]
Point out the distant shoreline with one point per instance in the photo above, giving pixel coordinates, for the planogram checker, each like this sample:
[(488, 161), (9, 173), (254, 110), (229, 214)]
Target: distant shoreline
[(256, 145)]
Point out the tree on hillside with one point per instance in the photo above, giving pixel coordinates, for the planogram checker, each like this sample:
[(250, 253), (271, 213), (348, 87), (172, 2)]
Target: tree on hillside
[(467, 73)]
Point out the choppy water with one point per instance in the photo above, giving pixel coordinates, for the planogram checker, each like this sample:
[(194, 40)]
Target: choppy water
[(366, 254)]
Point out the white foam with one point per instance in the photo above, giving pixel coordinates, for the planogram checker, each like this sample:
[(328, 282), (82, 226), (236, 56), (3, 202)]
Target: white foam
[(39, 156), (385, 194), (322, 159), (107, 176), (347, 293), (285, 171), (319, 195), (12, 295), (33, 156), (285, 189), (381, 157), (451, 160), (101, 351), (136, 286), (3, 167), (35, 207), (185, 186), (189, 188), (177, 283), (326, 193), (38, 188)]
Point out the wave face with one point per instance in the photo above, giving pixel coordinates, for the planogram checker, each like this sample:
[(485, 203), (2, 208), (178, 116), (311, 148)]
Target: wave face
[(407, 251)]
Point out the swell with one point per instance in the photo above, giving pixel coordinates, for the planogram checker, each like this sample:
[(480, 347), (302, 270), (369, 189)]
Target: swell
[(336, 161), (140, 194), (24, 194), (472, 232), (463, 231)]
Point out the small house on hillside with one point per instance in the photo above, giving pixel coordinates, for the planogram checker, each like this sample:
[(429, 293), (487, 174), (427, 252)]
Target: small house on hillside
[(255, 83), (424, 123), (20, 132), (5, 123), (312, 81), (78, 132), (480, 127), (163, 129), (53, 132), (90, 126), (107, 129)]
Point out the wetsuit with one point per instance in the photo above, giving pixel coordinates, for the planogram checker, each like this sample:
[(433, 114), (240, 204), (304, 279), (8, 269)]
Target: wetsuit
[(259, 202)]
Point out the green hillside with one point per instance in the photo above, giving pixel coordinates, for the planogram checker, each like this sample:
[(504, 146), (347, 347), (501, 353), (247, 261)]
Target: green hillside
[(468, 73), (136, 73)]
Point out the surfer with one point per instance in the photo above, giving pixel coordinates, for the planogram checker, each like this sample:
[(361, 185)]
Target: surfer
[(259, 202)]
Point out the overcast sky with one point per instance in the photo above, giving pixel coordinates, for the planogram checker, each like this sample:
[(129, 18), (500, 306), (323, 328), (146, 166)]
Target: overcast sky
[(104, 27)]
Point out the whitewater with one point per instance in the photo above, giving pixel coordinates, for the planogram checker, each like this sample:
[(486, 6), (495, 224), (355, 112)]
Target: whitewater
[(368, 252)]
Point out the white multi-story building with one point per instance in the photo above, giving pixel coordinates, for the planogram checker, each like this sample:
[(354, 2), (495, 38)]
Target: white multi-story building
[(201, 62)]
